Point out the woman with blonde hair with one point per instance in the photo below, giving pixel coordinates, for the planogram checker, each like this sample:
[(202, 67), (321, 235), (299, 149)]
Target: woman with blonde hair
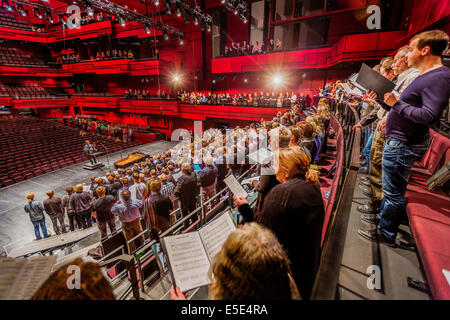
[(252, 265), (294, 211)]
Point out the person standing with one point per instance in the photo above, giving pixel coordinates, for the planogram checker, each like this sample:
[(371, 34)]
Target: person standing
[(186, 190), (128, 212), (90, 151), (80, 201), (408, 123), (69, 210), (208, 179), (102, 208), (54, 208), (36, 211)]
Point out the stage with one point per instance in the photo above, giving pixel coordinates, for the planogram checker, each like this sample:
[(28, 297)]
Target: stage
[(15, 226)]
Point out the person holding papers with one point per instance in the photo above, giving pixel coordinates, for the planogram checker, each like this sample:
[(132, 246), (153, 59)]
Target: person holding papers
[(294, 211), (251, 250), (405, 76), (419, 107)]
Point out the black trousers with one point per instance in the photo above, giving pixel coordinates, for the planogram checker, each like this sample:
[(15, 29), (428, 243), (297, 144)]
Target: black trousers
[(84, 218), (92, 159)]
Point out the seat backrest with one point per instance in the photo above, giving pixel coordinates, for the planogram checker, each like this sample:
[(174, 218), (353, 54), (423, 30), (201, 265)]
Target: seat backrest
[(438, 151), (424, 162)]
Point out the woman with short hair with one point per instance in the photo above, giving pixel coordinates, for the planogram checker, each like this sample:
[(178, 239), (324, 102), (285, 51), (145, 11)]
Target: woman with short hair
[(294, 211)]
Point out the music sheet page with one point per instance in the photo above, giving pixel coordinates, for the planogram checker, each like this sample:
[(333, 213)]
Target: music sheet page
[(20, 278), (215, 233), (188, 260), (235, 186)]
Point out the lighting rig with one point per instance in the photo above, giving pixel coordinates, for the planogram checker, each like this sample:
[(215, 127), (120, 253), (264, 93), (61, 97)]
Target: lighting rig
[(182, 8), (40, 11), (238, 7), (123, 14)]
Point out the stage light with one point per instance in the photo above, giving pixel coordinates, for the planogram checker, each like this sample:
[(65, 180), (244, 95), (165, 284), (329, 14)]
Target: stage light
[(167, 7), (235, 12), (214, 81), (187, 18), (37, 14), (208, 27), (223, 1), (147, 28), (176, 78), (61, 19), (245, 80), (195, 19), (49, 17), (21, 10), (166, 35), (177, 10), (122, 21), (88, 7), (277, 80), (156, 2), (181, 41)]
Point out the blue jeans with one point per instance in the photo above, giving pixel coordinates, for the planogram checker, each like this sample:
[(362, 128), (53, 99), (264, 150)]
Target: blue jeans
[(398, 158), (36, 225), (366, 150)]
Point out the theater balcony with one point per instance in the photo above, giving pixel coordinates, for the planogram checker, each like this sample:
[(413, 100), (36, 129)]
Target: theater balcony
[(89, 31), (355, 47), (115, 66)]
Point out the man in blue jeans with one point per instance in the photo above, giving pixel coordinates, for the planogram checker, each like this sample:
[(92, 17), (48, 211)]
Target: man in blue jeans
[(420, 106), (36, 211)]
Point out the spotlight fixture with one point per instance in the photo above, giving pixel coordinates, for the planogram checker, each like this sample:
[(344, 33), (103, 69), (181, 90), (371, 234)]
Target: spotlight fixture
[(62, 20), (167, 7), (122, 21), (21, 10), (166, 35), (37, 14), (277, 80), (147, 28), (88, 7), (214, 81), (208, 27), (195, 19), (49, 17), (245, 80), (181, 40), (156, 2), (5, 4), (177, 10), (187, 18)]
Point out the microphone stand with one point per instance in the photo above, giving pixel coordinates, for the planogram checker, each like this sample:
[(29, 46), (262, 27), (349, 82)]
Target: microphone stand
[(107, 155)]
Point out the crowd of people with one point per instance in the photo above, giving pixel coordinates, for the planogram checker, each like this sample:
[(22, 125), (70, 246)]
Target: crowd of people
[(247, 48), (145, 94), (111, 130), (279, 241), (101, 55), (263, 99), (143, 197), (396, 127)]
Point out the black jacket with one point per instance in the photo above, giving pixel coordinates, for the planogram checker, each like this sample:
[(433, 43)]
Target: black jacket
[(294, 211), (265, 184), (103, 208), (187, 190)]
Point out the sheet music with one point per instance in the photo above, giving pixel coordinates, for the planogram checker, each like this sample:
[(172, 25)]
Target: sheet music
[(235, 186), (247, 181), (20, 278), (188, 260), (370, 79), (215, 233)]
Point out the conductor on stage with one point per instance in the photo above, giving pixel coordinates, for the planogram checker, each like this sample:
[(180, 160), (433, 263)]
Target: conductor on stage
[(90, 151)]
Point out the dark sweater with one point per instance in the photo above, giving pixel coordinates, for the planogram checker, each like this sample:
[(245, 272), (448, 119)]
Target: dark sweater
[(420, 106), (294, 211)]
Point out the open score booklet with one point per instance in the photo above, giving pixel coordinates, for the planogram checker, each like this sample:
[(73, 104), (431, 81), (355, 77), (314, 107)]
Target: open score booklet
[(190, 254)]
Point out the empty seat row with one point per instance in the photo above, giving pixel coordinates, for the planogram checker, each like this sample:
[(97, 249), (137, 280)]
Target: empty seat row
[(429, 217)]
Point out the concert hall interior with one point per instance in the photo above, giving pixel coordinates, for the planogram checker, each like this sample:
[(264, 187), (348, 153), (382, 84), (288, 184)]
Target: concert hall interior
[(224, 150)]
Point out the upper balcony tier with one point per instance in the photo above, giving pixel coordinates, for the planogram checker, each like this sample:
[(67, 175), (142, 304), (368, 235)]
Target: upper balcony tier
[(356, 47), (88, 31)]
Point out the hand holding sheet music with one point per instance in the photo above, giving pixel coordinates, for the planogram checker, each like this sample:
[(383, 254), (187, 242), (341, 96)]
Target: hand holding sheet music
[(190, 254), (372, 80), (235, 187)]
